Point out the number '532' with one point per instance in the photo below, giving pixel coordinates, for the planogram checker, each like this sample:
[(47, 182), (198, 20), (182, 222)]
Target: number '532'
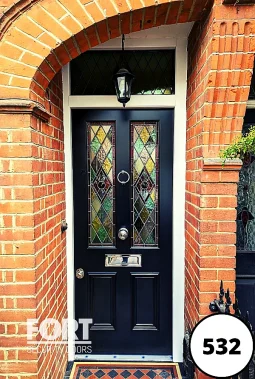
[(219, 346)]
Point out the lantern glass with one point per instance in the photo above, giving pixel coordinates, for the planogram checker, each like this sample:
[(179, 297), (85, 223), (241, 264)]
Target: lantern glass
[(123, 81)]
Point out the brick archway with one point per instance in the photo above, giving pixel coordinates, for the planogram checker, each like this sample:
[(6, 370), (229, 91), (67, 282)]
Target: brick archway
[(49, 33)]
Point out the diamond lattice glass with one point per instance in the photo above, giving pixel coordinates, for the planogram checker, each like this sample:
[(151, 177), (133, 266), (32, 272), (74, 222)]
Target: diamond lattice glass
[(154, 71), (144, 168), (101, 172)]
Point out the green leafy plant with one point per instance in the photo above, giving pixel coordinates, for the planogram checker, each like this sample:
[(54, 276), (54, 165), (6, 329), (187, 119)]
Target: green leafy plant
[(240, 147)]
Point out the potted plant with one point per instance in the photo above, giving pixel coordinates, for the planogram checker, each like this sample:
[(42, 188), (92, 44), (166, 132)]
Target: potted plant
[(241, 147)]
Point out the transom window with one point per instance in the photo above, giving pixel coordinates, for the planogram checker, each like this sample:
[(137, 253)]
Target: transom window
[(154, 71)]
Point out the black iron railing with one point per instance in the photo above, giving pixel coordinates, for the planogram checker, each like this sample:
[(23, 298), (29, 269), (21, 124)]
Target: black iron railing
[(222, 305)]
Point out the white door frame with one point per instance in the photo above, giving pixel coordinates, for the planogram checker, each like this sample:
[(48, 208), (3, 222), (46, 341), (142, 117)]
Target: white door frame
[(178, 40)]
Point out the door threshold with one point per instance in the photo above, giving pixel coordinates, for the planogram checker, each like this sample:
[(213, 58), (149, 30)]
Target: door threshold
[(126, 358)]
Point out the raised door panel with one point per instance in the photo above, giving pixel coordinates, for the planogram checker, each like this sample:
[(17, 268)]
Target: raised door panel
[(102, 300), (145, 301)]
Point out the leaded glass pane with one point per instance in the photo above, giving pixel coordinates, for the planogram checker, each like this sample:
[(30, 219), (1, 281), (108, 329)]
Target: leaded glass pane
[(246, 203), (101, 174), (144, 169), (154, 71)]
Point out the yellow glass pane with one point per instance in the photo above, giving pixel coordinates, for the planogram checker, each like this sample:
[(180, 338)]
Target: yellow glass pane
[(139, 166), (106, 128), (150, 165), (144, 135), (94, 129), (153, 195), (96, 204), (110, 176), (107, 165), (107, 145), (96, 224), (101, 135)]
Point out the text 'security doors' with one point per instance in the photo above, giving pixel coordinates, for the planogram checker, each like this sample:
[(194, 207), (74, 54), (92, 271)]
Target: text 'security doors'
[(122, 165)]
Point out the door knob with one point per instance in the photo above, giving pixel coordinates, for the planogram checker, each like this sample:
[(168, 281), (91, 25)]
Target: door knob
[(123, 234), (79, 273)]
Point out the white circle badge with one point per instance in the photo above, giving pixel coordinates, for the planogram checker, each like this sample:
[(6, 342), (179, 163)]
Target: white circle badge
[(221, 345)]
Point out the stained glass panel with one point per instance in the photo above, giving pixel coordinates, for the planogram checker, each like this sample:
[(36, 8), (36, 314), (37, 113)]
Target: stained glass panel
[(246, 203), (101, 173), (144, 168)]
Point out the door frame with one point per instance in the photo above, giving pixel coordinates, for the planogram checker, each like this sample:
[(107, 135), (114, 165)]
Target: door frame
[(178, 41)]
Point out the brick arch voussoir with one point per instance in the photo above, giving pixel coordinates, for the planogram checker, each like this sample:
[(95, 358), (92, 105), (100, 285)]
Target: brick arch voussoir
[(50, 33)]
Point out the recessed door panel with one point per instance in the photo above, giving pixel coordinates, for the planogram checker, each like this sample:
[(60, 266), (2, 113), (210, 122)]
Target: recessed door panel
[(102, 296), (145, 288)]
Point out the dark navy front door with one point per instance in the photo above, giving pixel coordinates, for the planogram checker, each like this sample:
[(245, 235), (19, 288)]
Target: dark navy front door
[(122, 165)]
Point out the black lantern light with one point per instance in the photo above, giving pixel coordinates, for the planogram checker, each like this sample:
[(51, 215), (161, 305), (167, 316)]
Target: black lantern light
[(123, 81)]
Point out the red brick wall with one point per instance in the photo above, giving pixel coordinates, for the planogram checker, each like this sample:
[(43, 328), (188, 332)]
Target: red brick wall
[(33, 256), (221, 54)]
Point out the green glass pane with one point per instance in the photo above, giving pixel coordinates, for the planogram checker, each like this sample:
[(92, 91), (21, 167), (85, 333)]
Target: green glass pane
[(145, 234), (144, 180), (139, 145), (110, 155), (92, 173), (150, 204), (153, 175), (107, 204), (101, 183), (102, 234), (102, 214), (150, 239), (95, 145)]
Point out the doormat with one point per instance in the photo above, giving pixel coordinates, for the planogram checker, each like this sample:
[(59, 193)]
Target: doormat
[(125, 370)]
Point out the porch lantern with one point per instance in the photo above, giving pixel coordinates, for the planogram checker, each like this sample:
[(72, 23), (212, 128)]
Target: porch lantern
[(123, 81)]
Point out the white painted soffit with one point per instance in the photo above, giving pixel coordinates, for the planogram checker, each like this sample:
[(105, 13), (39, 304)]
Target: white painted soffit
[(149, 38)]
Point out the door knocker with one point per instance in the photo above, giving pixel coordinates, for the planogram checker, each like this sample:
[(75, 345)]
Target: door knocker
[(123, 172)]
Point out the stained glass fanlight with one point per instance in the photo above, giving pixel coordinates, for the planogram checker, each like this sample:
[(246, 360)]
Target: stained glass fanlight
[(101, 170), (144, 165)]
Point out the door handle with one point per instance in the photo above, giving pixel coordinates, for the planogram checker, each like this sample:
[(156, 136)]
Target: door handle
[(123, 234), (79, 273)]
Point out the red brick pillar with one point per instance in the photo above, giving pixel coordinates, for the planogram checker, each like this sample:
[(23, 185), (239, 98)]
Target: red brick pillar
[(221, 54), (17, 235), (32, 248)]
